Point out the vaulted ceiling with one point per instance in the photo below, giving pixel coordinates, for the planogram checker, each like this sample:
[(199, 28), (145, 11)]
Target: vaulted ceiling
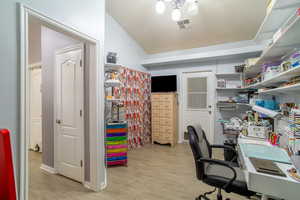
[(218, 21)]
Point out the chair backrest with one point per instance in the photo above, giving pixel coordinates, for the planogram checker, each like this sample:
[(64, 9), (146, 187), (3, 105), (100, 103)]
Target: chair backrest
[(200, 148)]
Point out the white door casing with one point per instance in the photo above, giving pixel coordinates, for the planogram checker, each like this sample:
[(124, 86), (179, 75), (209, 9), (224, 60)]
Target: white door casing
[(198, 99), (69, 121), (35, 106)]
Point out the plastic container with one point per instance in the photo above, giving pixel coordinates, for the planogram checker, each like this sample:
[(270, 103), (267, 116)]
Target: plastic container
[(271, 104), (295, 57), (270, 64), (271, 72)]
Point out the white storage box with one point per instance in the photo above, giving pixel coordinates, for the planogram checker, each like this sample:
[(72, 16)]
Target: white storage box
[(271, 72), (258, 131)]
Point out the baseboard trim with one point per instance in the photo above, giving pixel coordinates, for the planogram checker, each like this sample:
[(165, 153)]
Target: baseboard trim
[(87, 185), (103, 185), (48, 169)]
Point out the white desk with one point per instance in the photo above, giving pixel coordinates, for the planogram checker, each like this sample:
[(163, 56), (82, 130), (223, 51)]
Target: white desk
[(268, 185)]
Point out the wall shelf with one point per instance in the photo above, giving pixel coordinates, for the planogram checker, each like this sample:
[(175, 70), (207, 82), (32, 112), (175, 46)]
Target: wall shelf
[(279, 78), (283, 90), (112, 67), (229, 75), (113, 83), (270, 113), (232, 89), (231, 106), (275, 18), (285, 42), (252, 70)]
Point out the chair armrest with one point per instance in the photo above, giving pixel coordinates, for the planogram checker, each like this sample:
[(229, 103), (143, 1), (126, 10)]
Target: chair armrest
[(222, 163)]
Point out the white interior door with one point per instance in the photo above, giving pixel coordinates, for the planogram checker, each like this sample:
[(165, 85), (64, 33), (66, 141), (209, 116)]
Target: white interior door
[(198, 99), (35, 107), (69, 113)]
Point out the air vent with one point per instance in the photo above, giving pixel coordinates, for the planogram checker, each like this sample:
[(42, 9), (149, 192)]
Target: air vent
[(184, 24)]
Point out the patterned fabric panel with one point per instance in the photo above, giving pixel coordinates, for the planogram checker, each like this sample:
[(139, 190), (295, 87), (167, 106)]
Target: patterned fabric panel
[(136, 94)]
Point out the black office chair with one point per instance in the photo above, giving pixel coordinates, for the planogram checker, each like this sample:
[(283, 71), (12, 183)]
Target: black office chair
[(217, 173), (232, 161)]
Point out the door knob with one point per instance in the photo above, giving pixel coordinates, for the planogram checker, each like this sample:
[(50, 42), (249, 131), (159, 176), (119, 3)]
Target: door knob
[(58, 121), (209, 106)]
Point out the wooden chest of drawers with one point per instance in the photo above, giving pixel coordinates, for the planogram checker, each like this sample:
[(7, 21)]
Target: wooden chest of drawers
[(164, 118)]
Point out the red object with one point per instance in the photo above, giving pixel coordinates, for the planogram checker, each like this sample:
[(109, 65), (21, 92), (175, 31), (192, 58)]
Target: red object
[(7, 181)]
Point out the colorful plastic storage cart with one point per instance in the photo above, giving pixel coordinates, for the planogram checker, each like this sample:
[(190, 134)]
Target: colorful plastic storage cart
[(116, 144)]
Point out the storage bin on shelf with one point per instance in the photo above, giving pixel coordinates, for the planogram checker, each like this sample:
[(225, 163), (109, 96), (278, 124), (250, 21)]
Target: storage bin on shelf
[(258, 131), (116, 143)]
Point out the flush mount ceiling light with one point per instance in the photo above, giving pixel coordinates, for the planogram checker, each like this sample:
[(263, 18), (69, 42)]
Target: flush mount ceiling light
[(160, 7), (177, 5)]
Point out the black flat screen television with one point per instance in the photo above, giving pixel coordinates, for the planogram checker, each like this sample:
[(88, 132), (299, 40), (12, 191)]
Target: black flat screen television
[(164, 83)]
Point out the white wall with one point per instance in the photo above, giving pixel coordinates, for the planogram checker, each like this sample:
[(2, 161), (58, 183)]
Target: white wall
[(221, 66), (213, 48), (130, 53), (205, 54), (87, 16), (52, 41)]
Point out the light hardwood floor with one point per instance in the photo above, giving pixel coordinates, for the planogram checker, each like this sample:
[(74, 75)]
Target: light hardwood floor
[(154, 172)]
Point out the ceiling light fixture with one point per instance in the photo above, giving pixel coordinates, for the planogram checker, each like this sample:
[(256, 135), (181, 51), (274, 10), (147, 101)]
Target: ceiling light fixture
[(193, 9), (160, 7), (177, 5), (176, 14)]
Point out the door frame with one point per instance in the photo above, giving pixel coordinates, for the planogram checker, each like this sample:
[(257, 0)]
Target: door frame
[(31, 67), (181, 107), (98, 176), (82, 136)]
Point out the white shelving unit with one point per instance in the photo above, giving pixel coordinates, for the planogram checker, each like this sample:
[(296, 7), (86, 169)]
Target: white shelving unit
[(279, 78), (252, 71), (233, 81), (113, 83), (229, 75), (286, 40), (282, 26), (280, 11), (112, 67), (231, 89), (283, 90)]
